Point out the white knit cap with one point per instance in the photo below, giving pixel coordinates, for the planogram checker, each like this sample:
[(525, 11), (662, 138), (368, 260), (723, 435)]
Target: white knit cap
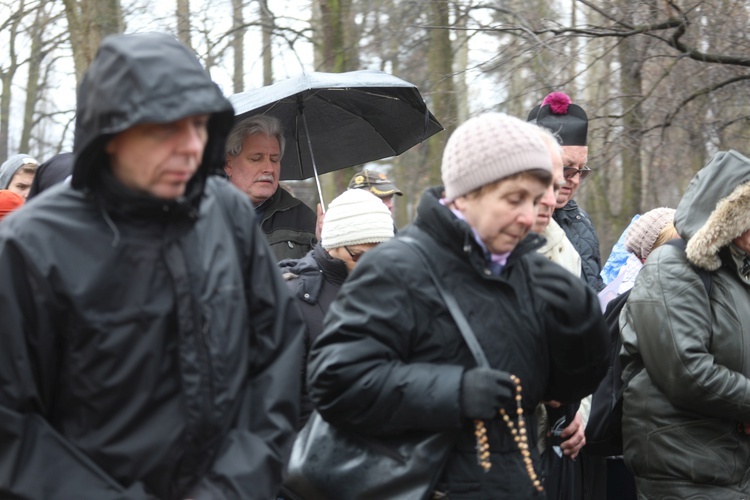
[(355, 217), (489, 147)]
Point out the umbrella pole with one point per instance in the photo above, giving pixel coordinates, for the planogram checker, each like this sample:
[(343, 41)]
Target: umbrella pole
[(312, 157)]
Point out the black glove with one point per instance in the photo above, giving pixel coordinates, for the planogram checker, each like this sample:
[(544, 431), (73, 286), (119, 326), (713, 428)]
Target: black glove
[(553, 285), (484, 391)]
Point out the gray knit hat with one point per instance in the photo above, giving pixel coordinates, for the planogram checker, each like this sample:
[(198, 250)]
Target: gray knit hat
[(355, 217), (11, 166), (644, 232), (490, 147)]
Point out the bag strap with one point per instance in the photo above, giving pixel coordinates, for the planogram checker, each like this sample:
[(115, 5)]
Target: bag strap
[(450, 302)]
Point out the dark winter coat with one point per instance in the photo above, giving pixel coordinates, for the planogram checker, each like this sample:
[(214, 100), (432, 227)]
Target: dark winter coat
[(51, 172), (289, 225), (315, 280), (581, 233), (147, 344), (689, 352), (391, 358)]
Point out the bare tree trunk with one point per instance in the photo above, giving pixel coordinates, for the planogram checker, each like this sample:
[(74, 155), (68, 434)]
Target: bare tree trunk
[(6, 78), (32, 81), (462, 65), (183, 22), (238, 46), (632, 121), (89, 21), (338, 54), (442, 90), (267, 21)]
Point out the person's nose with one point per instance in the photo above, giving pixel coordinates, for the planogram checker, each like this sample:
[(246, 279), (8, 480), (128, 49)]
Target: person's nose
[(388, 203), (193, 138), (528, 214), (549, 199), (266, 165)]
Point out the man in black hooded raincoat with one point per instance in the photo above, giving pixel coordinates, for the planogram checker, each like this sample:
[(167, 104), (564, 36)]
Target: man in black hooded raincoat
[(150, 348)]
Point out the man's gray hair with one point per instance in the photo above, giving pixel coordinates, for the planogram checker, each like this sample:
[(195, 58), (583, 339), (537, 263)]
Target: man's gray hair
[(258, 124)]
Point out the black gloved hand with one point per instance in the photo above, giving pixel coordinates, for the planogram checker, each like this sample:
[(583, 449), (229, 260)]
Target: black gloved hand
[(484, 391), (553, 286)]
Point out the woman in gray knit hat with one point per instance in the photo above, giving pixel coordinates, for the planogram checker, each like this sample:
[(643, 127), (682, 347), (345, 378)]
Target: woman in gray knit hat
[(685, 341), (391, 360)]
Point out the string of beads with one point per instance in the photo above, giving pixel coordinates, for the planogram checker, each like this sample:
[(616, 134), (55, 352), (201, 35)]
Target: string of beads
[(520, 436)]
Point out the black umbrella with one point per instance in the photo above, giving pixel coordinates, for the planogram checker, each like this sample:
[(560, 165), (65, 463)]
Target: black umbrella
[(336, 120)]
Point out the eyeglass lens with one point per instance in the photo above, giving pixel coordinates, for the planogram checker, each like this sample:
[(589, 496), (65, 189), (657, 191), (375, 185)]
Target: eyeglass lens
[(570, 172)]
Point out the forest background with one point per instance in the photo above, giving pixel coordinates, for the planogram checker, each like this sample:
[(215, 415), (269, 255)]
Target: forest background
[(665, 83)]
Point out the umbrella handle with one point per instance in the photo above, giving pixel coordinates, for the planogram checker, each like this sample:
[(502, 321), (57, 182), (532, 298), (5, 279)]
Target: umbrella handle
[(312, 156)]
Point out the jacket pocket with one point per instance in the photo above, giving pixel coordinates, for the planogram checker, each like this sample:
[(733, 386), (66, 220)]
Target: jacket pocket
[(707, 451)]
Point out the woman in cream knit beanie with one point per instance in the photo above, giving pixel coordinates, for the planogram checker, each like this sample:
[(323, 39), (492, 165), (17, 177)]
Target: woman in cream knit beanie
[(391, 358), (488, 148), (495, 170)]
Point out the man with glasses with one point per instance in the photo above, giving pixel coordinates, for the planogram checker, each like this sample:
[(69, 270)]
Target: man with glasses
[(355, 222), (570, 123)]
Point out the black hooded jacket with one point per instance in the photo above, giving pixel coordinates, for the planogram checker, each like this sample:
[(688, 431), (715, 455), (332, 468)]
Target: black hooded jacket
[(315, 280), (150, 348)]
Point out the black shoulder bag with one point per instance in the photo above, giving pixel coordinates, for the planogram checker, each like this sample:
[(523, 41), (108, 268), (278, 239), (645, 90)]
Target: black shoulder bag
[(329, 463)]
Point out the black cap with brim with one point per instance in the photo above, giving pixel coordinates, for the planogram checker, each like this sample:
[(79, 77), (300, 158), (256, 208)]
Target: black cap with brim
[(377, 183), (571, 127)]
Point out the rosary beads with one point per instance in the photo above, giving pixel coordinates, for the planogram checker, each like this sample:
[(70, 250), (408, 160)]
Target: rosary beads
[(520, 436)]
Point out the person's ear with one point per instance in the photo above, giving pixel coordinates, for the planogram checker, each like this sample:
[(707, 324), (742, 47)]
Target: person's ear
[(228, 167), (460, 203)]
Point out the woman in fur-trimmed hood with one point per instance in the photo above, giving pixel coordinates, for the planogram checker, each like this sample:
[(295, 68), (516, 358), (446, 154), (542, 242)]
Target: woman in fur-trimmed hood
[(685, 416)]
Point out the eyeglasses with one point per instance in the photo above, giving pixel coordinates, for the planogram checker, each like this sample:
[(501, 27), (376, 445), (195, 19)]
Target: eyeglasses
[(570, 172), (355, 256)]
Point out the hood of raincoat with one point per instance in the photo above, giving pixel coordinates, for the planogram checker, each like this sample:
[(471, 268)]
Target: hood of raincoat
[(714, 209), (144, 78)]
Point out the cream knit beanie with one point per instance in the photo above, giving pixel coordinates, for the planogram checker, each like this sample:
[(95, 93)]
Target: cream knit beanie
[(487, 148), (644, 232), (356, 217)]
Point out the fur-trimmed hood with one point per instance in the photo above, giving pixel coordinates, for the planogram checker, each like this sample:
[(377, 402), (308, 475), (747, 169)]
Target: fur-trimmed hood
[(715, 208)]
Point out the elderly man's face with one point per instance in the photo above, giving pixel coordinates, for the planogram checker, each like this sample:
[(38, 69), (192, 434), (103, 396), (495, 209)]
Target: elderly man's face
[(159, 158), (573, 156), (256, 169), (548, 202)]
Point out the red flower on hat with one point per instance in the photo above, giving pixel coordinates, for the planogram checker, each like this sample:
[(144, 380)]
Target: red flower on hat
[(558, 102)]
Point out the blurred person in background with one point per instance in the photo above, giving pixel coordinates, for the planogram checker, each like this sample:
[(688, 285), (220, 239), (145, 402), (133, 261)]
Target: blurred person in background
[(9, 201), (17, 174), (378, 184)]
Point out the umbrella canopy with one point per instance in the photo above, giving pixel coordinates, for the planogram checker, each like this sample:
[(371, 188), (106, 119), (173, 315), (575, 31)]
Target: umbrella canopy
[(337, 120)]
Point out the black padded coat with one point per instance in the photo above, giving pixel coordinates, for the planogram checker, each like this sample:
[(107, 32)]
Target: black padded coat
[(391, 358)]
